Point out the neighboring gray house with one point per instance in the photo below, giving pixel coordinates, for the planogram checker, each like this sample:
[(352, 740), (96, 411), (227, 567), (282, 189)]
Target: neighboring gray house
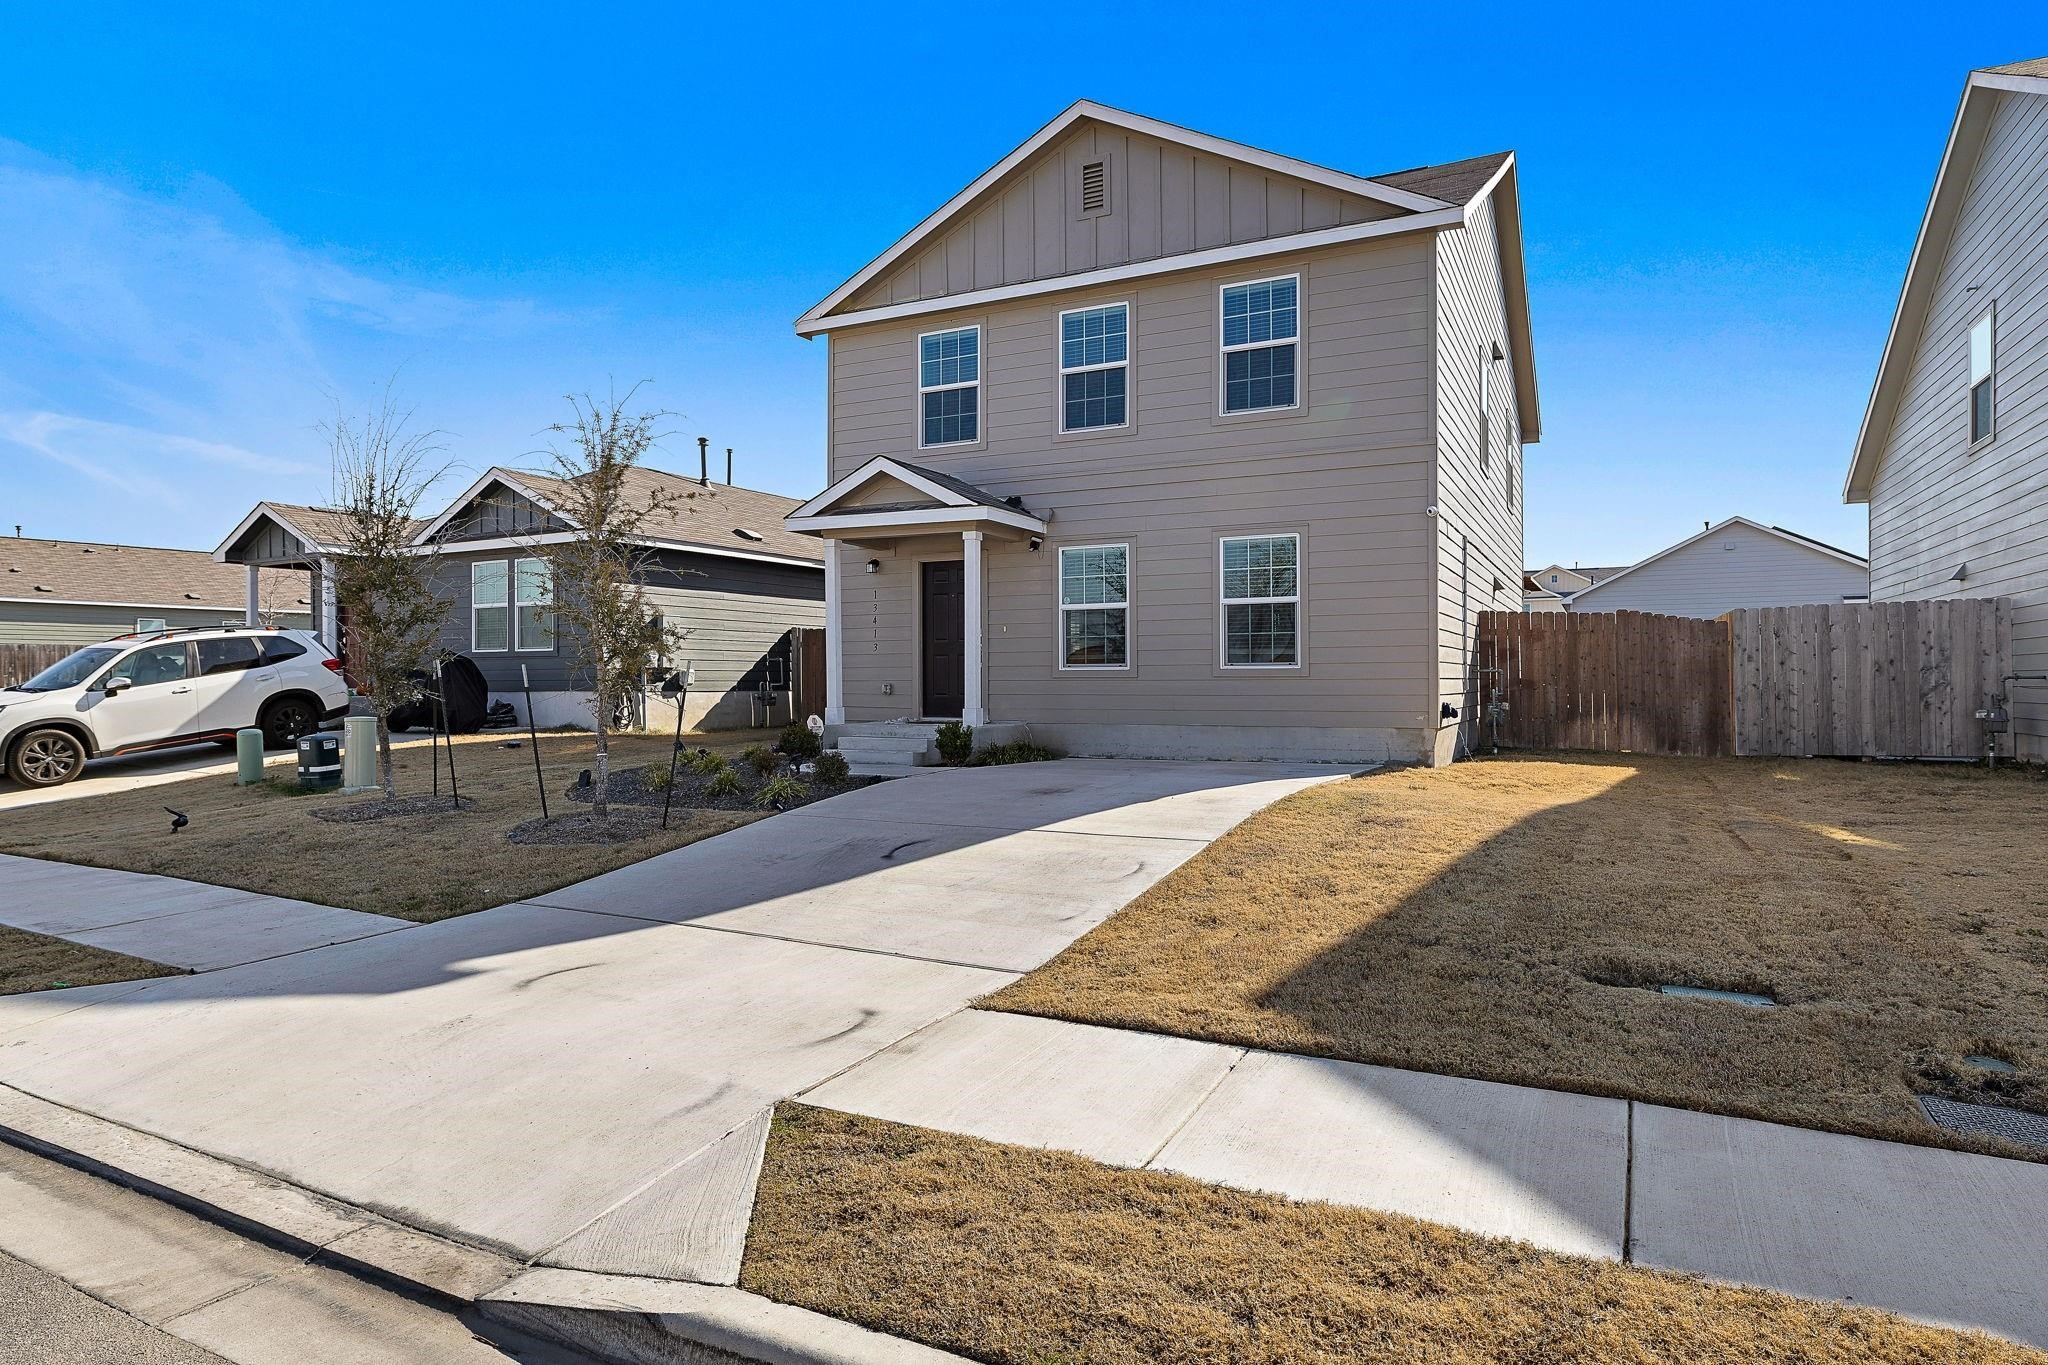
[(77, 592), (1953, 454), (719, 566), (1733, 563), (1159, 444)]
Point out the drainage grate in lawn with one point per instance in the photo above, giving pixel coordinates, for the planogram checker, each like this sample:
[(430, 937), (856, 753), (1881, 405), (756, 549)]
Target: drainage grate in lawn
[(1726, 997), (1983, 1063), (2016, 1125)]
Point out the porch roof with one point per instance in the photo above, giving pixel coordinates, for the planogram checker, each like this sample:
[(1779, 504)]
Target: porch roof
[(908, 499)]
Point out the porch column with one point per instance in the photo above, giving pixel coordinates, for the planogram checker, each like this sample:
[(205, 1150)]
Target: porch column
[(330, 625), (975, 709), (835, 641), (253, 615)]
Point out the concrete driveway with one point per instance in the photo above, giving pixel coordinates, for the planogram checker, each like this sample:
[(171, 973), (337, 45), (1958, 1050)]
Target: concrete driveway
[(582, 1079)]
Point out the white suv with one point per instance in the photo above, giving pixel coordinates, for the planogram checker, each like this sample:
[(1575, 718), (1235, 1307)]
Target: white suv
[(154, 690)]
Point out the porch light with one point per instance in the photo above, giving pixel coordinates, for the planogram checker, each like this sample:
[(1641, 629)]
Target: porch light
[(874, 566)]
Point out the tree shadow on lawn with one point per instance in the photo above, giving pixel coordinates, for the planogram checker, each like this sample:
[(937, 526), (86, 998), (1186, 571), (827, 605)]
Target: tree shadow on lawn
[(1510, 919)]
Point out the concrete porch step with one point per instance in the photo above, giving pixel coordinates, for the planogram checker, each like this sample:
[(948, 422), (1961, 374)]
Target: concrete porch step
[(884, 744)]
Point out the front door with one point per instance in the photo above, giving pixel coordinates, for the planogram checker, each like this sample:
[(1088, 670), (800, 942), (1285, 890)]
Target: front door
[(943, 630)]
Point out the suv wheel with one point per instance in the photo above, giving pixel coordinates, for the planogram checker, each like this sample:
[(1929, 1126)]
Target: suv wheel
[(285, 719), (46, 758)]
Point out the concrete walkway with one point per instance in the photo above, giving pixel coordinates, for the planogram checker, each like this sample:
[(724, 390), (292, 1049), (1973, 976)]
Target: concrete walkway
[(193, 925), (580, 1081), (1946, 1237)]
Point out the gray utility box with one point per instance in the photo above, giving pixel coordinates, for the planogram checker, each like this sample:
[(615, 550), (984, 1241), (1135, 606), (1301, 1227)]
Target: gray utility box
[(320, 760)]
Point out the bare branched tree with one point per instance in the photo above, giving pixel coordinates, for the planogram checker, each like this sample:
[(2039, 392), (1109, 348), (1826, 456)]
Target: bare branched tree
[(384, 583), (607, 627)]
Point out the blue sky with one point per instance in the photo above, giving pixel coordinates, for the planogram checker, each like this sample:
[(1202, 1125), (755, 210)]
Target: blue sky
[(215, 225)]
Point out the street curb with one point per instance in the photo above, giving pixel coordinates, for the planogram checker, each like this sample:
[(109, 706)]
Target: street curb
[(628, 1320)]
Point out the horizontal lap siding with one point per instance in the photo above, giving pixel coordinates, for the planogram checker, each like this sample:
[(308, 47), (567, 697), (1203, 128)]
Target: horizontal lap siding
[(1478, 537), (1350, 472), (52, 623), (1707, 578), (1934, 504)]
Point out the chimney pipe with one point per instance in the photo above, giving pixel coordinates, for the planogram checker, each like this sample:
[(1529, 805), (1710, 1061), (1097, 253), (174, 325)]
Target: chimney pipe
[(704, 462), (728, 466)]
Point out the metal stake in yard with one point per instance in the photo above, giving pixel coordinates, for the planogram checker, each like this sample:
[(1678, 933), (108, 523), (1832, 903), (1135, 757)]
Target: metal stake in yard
[(533, 739), (441, 692), (676, 687)]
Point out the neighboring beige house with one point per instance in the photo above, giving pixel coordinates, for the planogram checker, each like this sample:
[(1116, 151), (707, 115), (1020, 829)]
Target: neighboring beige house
[(76, 592), (1550, 588), (1953, 454), (1159, 444), (1733, 563)]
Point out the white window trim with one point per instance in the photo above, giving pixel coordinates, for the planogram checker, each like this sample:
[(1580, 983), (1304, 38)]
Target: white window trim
[(518, 643), (1223, 350), (1224, 603), (1062, 607), (980, 368), (475, 606), (1060, 354), (1989, 320)]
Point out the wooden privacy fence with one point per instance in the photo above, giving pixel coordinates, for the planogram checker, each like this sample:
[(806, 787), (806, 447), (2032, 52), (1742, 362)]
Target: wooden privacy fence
[(1622, 680), (1864, 679), (1869, 679), (19, 663)]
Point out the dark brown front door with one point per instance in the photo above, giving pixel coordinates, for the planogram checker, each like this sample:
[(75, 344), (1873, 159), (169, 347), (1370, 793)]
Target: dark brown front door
[(944, 629)]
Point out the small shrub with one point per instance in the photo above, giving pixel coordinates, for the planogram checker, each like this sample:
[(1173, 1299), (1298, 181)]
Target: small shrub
[(725, 782), (798, 742), (657, 777), (762, 759), (956, 742), (783, 791), (1016, 751), (710, 763), (831, 767)]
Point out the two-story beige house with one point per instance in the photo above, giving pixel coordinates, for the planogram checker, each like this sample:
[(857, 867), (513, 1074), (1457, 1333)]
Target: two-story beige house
[(1953, 453), (1163, 445)]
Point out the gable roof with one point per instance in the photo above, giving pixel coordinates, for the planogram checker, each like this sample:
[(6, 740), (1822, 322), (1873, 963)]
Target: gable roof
[(1803, 542), (1981, 93), (711, 518), (947, 494), (95, 571)]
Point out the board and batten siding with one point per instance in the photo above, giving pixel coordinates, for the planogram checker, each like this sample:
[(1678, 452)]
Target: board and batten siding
[(1349, 471), (1736, 566), (1935, 504), (1164, 199), (1478, 533)]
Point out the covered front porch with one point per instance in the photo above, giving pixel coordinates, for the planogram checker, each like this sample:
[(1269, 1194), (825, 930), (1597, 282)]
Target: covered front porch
[(284, 536), (906, 591)]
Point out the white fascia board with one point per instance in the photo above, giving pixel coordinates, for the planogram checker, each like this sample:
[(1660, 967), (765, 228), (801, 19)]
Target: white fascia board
[(880, 464), (144, 606), (261, 510), (495, 474), (1437, 220), (1507, 234), (1137, 123), (854, 523), (463, 547)]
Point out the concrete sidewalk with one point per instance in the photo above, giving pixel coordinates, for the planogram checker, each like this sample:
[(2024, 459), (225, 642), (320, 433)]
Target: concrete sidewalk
[(1950, 1238), (179, 923), (580, 1082)]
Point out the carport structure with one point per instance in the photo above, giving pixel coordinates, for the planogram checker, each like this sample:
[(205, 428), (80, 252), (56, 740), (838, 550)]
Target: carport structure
[(280, 535)]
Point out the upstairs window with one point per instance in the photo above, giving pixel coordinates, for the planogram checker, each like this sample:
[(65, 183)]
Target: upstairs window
[(1261, 601), (1095, 606), (534, 595), (949, 386), (1983, 365), (1095, 345), (1261, 341), (490, 588)]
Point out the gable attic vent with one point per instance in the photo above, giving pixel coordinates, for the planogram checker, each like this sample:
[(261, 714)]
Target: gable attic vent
[(1094, 187)]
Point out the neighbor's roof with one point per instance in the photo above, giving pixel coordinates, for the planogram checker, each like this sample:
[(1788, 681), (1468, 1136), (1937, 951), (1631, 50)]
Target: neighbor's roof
[(1804, 542), (1981, 94), (1422, 198), (718, 517), (95, 571)]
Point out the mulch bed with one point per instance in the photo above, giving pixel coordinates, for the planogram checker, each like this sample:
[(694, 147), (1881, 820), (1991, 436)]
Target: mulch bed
[(362, 812), (630, 787), (622, 825)]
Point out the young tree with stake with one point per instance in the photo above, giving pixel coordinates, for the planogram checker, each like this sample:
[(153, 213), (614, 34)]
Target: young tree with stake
[(606, 625), (381, 473)]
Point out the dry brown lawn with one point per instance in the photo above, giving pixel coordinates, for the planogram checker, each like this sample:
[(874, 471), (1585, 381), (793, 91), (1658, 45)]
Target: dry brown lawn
[(423, 867), (1503, 919), (37, 962), (1031, 1257)]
